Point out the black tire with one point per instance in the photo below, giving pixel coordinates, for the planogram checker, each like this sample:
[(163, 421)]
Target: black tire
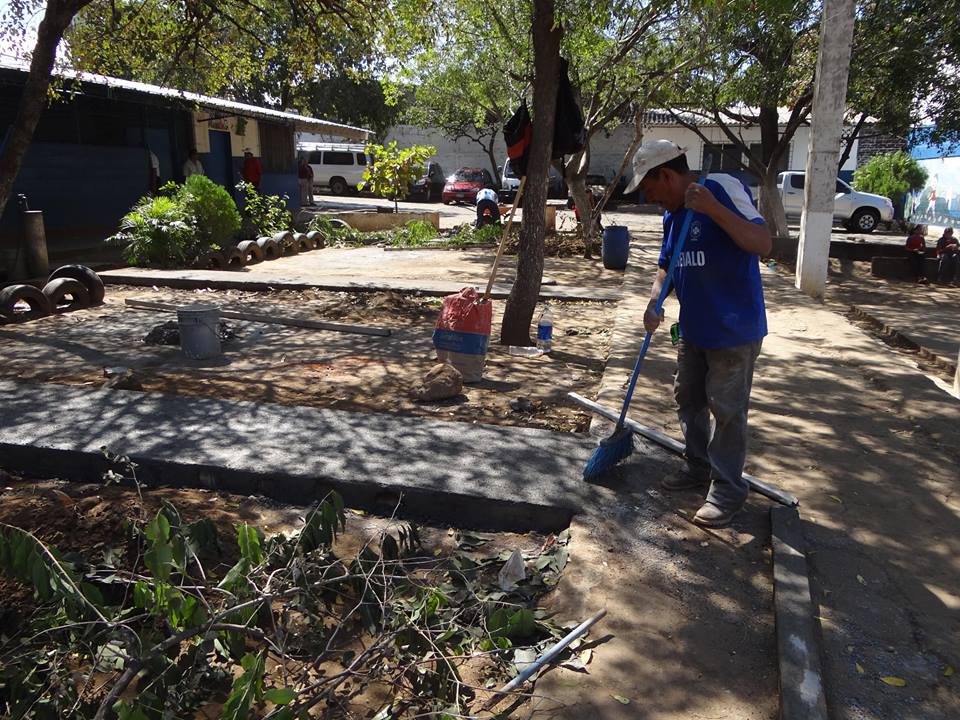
[(59, 289), (213, 260), (233, 258), (864, 220), (269, 247), (88, 277), (338, 186), (11, 295), (252, 252), (302, 243), (316, 237)]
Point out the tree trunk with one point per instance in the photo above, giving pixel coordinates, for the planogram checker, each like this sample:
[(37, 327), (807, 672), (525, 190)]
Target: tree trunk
[(488, 148), (56, 19), (575, 173), (771, 205), (522, 301)]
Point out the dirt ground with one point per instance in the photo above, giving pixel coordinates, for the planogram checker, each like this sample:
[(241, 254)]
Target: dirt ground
[(286, 365), (92, 520)]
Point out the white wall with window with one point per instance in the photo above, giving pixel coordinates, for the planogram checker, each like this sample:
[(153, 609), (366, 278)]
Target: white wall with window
[(607, 148)]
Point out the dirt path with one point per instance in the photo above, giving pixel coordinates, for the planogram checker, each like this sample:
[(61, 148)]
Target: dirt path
[(871, 446), (279, 364)]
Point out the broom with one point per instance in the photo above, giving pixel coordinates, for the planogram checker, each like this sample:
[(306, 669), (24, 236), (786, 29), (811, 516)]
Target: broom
[(620, 444), (503, 241)]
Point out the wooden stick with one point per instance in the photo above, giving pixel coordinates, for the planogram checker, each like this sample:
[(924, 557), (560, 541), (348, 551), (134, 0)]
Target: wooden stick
[(503, 240), (270, 319)]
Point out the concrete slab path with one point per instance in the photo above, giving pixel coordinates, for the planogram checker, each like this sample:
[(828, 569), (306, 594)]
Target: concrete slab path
[(871, 445), (433, 272), (484, 476)]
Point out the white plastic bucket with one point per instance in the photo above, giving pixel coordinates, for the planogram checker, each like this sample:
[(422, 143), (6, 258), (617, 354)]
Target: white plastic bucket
[(199, 338)]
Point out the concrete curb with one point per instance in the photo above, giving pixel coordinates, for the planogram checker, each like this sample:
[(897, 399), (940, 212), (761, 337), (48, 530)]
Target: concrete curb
[(891, 332), (492, 477), (223, 280), (801, 682)]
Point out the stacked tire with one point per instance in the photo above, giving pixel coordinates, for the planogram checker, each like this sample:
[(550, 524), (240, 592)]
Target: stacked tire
[(70, 287), (249, 252)]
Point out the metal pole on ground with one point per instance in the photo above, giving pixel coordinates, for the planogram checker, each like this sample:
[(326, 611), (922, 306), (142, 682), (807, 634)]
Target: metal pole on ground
[(829, 102)]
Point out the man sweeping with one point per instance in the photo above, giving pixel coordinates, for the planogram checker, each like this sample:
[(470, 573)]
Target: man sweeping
[(722, 318)]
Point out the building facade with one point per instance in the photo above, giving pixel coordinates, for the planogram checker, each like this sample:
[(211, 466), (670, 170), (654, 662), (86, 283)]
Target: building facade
[(92, 154)]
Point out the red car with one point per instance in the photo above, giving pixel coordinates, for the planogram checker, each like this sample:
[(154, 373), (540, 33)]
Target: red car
[(464, 184)]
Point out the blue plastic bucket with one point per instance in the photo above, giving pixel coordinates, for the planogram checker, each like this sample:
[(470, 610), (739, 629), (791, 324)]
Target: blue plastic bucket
[(616, 247)]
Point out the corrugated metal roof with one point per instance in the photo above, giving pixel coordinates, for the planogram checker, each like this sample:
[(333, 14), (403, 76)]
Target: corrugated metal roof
[(302, 122)]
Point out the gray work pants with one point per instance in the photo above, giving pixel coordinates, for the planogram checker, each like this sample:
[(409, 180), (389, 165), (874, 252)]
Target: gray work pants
[(716, 383)]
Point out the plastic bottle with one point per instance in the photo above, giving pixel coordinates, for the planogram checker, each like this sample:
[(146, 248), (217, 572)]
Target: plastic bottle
[(545, 330)]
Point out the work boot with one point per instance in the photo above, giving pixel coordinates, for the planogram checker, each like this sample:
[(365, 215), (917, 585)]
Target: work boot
[(713, 516)]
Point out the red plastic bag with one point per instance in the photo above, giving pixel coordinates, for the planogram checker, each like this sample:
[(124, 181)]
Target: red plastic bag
[(463, 333)]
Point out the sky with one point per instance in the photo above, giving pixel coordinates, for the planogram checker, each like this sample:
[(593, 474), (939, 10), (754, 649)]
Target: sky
[(9, 50)]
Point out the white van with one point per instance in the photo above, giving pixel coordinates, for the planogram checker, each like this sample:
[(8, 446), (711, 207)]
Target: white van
[(338, 166)]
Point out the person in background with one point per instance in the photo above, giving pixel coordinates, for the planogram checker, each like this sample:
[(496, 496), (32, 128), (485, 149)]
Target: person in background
[(154, 182), (916, 251), (488, 212), (192, 166), (947, 250), (305, 176), (252, 171)]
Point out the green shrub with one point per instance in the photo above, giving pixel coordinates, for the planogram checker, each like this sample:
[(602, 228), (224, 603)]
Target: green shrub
[(469, 235), (211, 209), (268, 213), (157, 232), (891, 175), (335, 232), (415, 233)]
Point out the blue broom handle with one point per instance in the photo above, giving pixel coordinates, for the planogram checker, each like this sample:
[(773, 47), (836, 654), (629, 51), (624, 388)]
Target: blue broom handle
[(664, 291)]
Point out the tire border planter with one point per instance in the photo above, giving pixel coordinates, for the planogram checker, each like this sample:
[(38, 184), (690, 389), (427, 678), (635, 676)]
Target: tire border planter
[(12, 294), (302, 243), (233, 258), (269, 248), (286, 243), (59, 288), (252, 252), (213, 260), (316, 237), (88, 277)]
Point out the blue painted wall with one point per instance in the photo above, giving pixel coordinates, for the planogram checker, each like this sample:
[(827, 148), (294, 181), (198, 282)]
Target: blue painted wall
[(83, 190)]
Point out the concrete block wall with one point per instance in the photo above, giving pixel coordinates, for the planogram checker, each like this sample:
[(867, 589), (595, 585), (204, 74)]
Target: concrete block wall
[(606, 148), (872, 143)]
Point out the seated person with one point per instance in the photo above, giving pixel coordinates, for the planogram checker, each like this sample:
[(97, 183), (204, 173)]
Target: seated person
[(947, 251), (916, 252), (488, 211)]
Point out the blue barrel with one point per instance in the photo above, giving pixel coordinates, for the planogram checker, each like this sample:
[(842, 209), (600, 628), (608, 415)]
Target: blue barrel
[(616, 247)]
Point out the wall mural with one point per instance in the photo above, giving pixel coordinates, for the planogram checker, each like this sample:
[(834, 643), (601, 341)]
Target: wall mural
[(939, 201)]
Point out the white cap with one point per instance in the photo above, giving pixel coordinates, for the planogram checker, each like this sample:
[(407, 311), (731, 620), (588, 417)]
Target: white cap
[(649, 155)]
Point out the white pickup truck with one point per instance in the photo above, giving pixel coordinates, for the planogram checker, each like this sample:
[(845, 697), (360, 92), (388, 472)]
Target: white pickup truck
[(856, 211)]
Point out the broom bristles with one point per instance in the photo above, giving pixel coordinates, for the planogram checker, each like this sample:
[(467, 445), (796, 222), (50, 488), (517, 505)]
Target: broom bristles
[(611, 451)]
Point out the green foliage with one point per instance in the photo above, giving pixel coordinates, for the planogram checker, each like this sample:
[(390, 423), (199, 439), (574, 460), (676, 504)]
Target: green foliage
[(158, 232), (211, 209), (470, 235), (288, 600), (335, 232), (268, 213), (392, 169), (415, 233), (247, 688), (891, 174)]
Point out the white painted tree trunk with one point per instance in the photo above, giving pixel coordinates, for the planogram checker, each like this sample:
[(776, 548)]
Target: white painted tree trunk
[(829, 101)]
